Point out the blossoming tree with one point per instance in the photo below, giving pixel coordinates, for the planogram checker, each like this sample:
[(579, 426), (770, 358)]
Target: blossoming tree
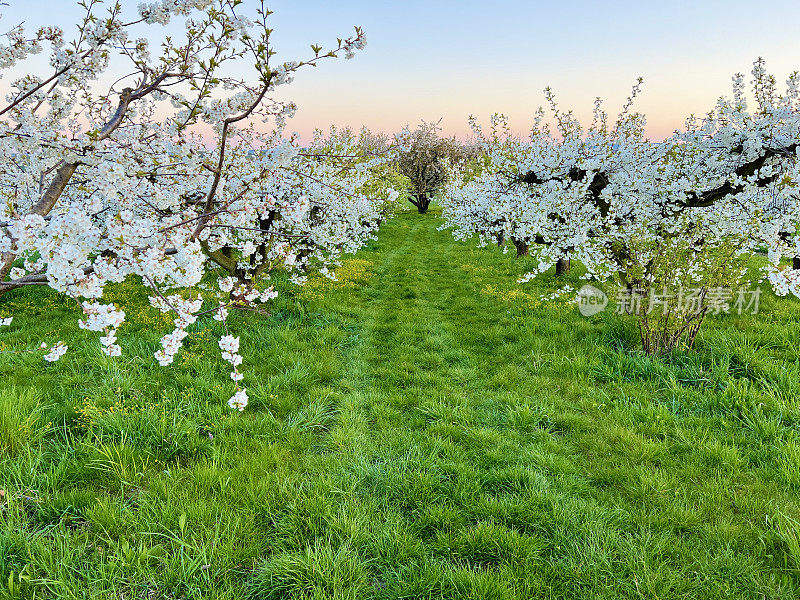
[(423, 156), (177, 169), (683, 214)]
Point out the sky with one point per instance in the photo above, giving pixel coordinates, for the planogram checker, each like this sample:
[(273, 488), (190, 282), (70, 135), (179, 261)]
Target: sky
[(449, 59)]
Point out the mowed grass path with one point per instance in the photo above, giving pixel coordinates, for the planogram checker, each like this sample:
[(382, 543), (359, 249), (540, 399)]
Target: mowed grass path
[(425, 428)]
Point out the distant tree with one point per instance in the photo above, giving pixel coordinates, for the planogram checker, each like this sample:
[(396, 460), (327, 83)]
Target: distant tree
[(424, 158)]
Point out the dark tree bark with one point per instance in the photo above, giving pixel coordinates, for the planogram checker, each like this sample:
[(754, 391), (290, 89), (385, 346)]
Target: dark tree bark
[(521, 246), (421, 201), (562, 266), (796, 263), (500, 236)]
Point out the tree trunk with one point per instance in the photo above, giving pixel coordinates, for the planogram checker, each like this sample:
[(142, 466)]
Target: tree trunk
[(796, 263), (562, 266), (501, 238), (421, 201), (521, 246), (424, 203)]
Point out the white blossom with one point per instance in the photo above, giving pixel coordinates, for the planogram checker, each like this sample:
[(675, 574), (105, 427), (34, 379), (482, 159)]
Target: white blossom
[(56, 352)]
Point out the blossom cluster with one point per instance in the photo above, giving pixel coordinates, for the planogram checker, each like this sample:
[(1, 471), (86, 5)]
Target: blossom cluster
[(58, 350), (105, 318), (229, 345)]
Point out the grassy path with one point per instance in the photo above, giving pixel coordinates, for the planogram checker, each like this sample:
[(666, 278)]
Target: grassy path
[(422, 429)]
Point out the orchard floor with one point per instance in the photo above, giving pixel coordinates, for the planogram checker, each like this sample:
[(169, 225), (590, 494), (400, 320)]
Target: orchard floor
[(424, 428)]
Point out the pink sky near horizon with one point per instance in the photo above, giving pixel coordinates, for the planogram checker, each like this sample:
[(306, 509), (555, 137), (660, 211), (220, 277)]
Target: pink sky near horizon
[(469, 60)]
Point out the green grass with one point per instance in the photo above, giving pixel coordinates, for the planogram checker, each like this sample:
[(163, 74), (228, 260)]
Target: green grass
[(426, 428)]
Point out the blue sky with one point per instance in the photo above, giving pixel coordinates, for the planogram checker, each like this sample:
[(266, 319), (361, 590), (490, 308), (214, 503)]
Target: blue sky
[(448, 59)]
